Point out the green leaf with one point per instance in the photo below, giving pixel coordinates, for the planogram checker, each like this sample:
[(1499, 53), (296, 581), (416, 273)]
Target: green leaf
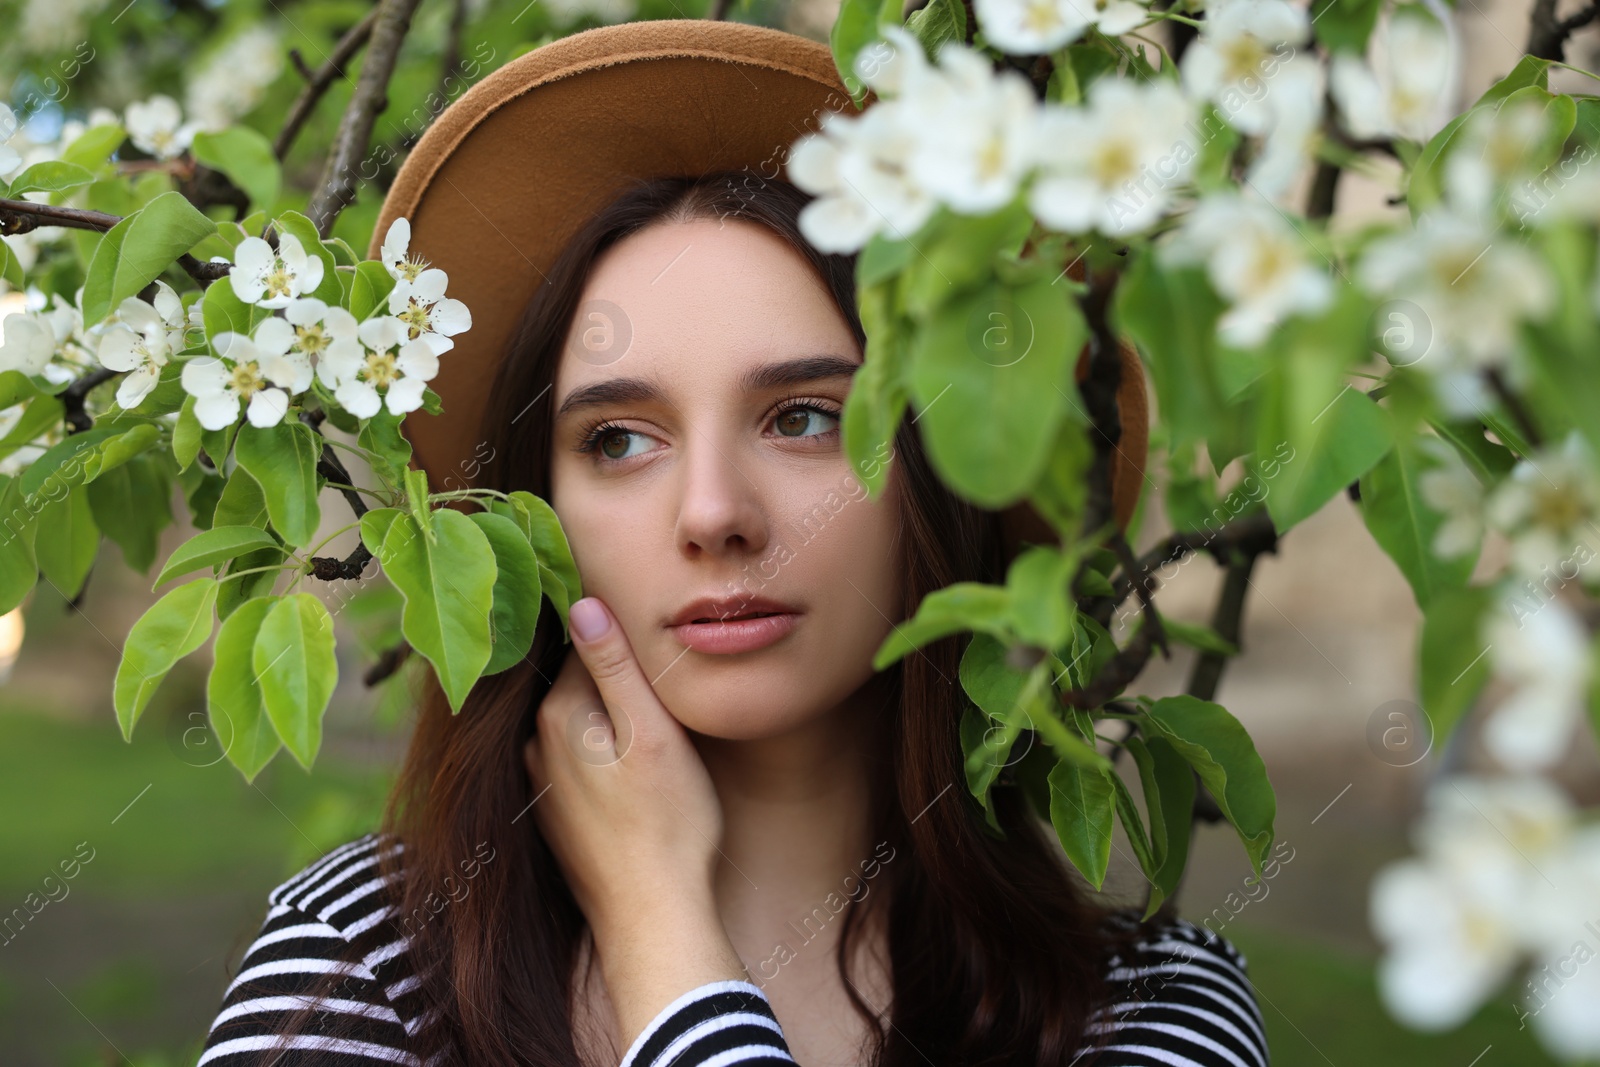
[(989, 681), (448, 582), (233, 699), (242, 503), (18, 571), (217, 545), (1346, 440), (1345, 25), (186, 435), (1082, 811), (283, 461), (1221, 752), (953, 609), (295, 666), (515, 612), (93, 147), (1404, 526), (937, 22), (246, 158), (11, 273), (369, 292), (233, 592), (986, 372), (1038, 583), (1168, 783), (1171, 314), (878, 394), (60, 466), (1196, 636), (170, 629), (380, 434), (116, 450), (135, 251), (987, 748), (201, 491), (958, 255), (67, 541), (52, 176), (558, 572), (132, 504), (1452, 665), (41, 413)]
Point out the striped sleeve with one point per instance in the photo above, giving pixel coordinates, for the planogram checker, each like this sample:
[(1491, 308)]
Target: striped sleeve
[(1182, 998), (311, 919), (719, 1024)]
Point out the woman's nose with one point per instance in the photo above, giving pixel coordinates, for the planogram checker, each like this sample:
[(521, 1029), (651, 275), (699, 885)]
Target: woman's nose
[(720, 505)]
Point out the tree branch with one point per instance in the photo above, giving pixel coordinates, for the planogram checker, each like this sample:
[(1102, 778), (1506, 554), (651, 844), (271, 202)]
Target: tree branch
[(332, 568), (1547, 35), (23, 216), (317, 83), (392, 21)]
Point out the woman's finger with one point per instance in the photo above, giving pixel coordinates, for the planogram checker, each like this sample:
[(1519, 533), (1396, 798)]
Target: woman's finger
[(605, 651)]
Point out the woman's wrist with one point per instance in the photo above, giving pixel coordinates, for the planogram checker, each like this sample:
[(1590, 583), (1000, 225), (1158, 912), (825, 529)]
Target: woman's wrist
[(653, 953)]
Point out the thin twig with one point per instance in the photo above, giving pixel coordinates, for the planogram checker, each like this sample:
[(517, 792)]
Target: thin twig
[(22, 216), (317, 83), (338, 186)]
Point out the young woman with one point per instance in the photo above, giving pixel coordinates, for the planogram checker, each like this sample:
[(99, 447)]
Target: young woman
[(694, 837)]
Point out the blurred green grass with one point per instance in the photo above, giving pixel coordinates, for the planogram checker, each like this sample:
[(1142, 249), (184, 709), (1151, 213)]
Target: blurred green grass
[(134, 956), (136, 950)]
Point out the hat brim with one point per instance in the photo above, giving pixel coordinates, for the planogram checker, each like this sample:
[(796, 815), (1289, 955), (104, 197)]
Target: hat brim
[(506, 174)]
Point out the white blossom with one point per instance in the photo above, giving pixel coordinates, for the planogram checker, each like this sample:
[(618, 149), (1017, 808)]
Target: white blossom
[(1544, 654), (156, 126), (1256, 260), (28, 343), (426, 313), (396, 252), (1242, 45), (357, 375), (1114, 164), (1452, 917), (1549, 506), (230, 83), (271, 278), (1407, 89), (309, 329), (1494, 149), (1294, 127), (858, 172), (1473, 286), (240, 374), (142, 342), (1032, 27)]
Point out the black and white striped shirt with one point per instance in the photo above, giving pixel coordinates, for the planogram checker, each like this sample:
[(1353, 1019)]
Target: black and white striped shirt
[(1183, 996)]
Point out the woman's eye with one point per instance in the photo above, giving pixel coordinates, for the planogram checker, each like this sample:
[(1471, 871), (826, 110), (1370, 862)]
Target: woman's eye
[(613, 444), (792, 422)]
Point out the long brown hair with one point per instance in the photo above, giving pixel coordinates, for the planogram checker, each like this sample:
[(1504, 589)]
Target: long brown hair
[(997, 951)]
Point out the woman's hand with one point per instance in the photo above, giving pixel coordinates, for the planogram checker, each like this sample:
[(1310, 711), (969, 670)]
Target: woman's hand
[(626, 805)]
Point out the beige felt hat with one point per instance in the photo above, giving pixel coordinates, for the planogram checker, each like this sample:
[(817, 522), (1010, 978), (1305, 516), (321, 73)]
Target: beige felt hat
[(506, 174)]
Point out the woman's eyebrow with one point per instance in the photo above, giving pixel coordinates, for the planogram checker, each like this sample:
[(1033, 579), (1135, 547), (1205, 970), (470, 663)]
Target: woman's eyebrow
[(801, 371)]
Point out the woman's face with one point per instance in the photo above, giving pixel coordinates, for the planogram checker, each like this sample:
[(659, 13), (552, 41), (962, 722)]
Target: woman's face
[(716, 365)]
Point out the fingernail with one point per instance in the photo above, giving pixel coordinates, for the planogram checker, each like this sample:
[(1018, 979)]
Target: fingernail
[(588, 618)]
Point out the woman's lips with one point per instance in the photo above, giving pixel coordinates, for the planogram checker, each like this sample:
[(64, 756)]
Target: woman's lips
[(729, 636)]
